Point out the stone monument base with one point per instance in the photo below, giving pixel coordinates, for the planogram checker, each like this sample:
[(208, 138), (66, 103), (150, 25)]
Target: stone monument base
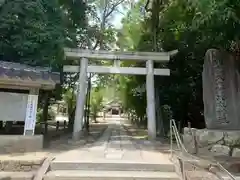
[(26, 162), (20, 143), (212, 142)]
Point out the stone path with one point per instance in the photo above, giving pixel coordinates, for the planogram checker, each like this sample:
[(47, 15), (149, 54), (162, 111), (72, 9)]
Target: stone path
[(116, 144), (116, 155)]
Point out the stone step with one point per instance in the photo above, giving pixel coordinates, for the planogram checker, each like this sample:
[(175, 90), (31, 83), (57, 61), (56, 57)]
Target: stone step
[(111, 166), (22, 162), (4, 175), (107, 175)]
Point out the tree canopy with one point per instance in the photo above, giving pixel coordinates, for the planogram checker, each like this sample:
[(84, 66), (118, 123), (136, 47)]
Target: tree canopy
[(31, 32), (192, 27)]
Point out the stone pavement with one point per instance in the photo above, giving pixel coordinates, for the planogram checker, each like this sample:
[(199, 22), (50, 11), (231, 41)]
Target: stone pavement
[(116, 155), (116, 145)]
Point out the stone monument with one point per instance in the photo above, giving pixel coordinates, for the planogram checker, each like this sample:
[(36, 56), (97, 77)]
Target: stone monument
[(221, 94), (221, 97)]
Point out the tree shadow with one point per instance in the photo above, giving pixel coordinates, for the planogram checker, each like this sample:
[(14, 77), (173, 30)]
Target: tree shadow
[(65, 143), (129, 139)]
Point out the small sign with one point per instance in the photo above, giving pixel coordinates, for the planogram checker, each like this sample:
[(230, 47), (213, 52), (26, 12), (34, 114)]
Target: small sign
[(31, 113)]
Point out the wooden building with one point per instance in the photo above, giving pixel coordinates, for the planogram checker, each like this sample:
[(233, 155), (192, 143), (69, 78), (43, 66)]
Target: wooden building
[(19, 90), (113, 108)]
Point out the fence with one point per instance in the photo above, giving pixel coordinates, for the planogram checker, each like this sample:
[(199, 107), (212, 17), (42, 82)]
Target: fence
[(190, 167)]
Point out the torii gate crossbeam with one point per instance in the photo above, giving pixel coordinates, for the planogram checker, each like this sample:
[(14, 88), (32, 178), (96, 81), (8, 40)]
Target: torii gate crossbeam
[(149, 71)]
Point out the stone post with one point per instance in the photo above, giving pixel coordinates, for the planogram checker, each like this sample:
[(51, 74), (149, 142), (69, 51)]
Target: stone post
[(150, 100), (81, 98)]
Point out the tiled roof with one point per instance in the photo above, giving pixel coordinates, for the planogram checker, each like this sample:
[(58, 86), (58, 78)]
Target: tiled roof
[(113, 103), (17, 70)]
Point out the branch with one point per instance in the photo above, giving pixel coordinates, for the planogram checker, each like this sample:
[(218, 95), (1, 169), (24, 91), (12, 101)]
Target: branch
[(120, 12), (96, 44), (106, 13), (113, 8), (146, 6)]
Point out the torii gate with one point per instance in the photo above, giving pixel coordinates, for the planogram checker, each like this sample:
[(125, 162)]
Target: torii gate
[(149, 71)]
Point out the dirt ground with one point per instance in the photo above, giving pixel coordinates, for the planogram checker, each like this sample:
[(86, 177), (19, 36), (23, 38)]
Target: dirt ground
[(65, 142)]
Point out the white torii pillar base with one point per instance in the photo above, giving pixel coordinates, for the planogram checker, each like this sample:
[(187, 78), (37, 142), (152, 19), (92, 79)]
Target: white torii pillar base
[(81, 98), (151, 115)]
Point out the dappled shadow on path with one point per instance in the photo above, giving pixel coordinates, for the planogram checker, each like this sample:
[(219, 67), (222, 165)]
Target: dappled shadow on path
[(116, 139), (109, 139), (57, 146), (65, 143)]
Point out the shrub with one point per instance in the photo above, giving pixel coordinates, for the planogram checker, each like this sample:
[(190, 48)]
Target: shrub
[(51, 115)]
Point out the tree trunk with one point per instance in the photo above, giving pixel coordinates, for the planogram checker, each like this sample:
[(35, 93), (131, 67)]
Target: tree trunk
[(95, 119), (45, 110), (71, 115), (159, 120)]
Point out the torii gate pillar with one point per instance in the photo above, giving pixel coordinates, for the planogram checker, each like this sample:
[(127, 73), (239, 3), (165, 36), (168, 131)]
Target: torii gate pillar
[(81, 98), (151, 111)]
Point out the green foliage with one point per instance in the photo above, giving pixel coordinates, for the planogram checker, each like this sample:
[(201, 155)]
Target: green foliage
[(69, 98), (35, 32), (96, 102), (130, 34), (198, 27), (192, 27), (51, 115), (129, 38), (31, 32), (75, 22)]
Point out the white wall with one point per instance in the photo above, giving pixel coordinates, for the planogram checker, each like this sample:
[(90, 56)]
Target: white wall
[(13, 106)]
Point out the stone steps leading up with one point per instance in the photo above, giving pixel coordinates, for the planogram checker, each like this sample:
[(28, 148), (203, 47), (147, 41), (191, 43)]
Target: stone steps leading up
[(111, 166), (4, 175), (107, 175), (110, 169), (114, 156)]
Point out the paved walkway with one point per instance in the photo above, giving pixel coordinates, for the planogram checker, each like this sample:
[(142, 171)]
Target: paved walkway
[(116, 145)]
